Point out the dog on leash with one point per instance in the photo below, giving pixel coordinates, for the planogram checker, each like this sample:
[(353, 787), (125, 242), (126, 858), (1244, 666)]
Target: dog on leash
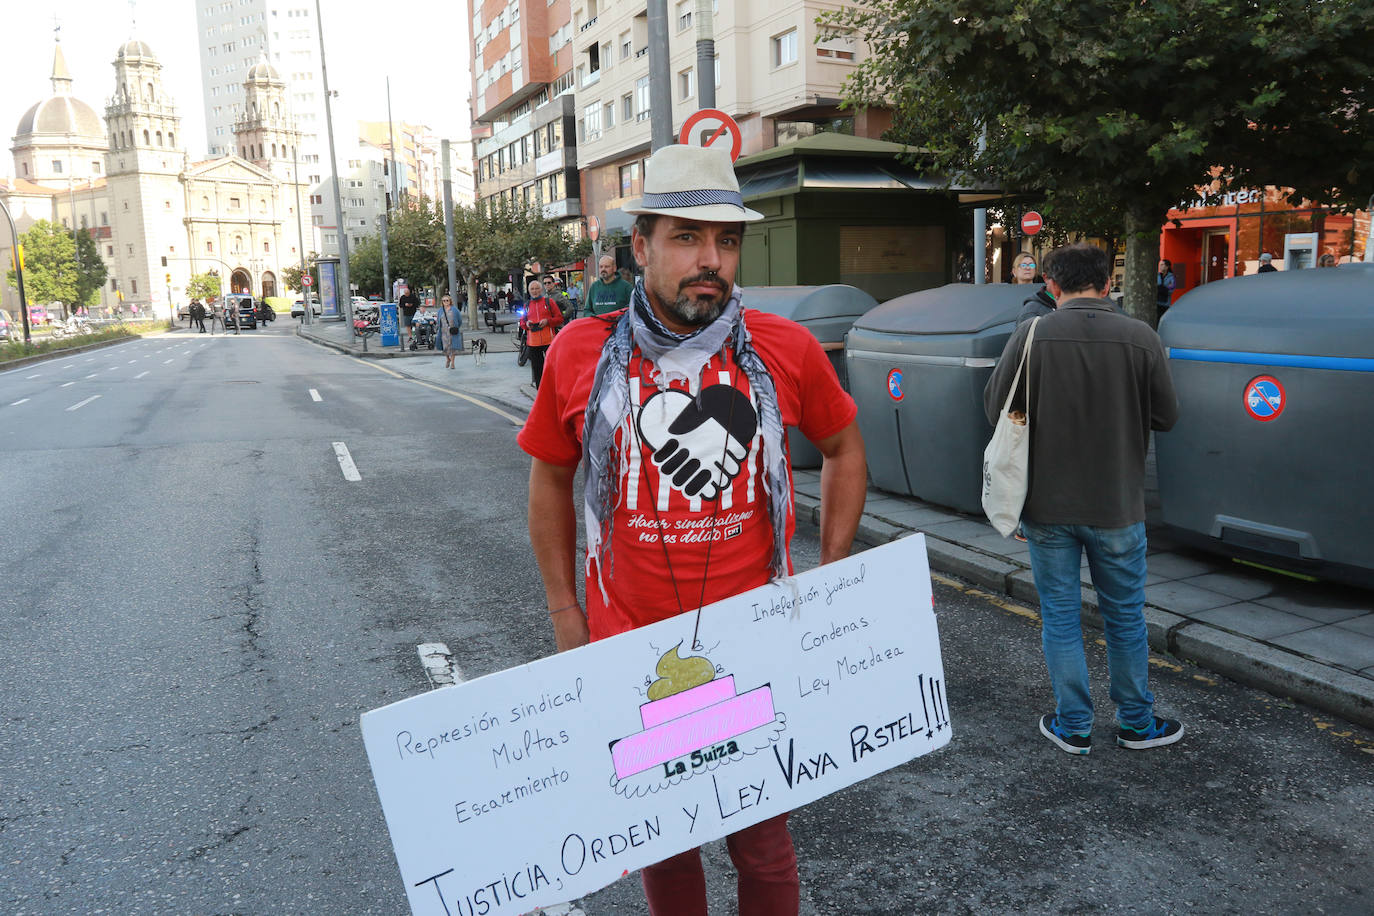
[(479, 350)]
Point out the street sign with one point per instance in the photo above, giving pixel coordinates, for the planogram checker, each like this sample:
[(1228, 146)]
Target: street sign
[(1264, 398), (712, 125), (306, 279), (593, 228), (1032, 223), (894, 385)]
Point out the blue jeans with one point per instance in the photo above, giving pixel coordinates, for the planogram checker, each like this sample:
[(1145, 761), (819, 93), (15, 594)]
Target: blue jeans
[(1116, 559)]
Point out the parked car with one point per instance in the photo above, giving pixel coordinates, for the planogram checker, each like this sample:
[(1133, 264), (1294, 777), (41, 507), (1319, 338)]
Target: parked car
[(240, 312), (7, 327), (37, 315), (266, 314), (298, 308)]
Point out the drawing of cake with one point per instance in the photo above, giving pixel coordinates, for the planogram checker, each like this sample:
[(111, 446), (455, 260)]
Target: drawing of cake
[(694, 721)]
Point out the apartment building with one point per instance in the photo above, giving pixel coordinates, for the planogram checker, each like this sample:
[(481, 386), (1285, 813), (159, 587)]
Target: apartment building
[(233, 36), (364, 183), (771, 75)]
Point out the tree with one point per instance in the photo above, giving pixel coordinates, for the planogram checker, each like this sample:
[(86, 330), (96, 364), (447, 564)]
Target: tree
[(499, 241), (204, 286), (52, 272), (1128, 106), (365, 266), (291, 275)]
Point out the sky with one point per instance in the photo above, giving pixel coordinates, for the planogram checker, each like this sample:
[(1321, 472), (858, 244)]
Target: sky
[(424, 50)]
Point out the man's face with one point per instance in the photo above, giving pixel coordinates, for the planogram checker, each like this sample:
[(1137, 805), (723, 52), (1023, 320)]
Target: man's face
[(536, 289), (689, 269), (607, 269)]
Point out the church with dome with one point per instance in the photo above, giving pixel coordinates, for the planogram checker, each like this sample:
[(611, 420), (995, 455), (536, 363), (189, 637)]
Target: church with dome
[(157, 217)]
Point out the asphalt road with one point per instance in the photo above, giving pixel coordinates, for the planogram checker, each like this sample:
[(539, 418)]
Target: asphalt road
[(197, 606)]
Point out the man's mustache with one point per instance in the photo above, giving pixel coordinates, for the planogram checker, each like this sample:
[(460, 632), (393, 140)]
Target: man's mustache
[(709, 278)]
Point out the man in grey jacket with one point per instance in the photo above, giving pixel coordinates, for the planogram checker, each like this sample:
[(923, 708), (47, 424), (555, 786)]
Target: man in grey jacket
[(1096, 383)]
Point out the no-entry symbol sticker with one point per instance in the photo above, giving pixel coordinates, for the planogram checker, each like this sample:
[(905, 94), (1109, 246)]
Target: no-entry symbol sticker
[(712, 127), (1264, 398), (894, 384)]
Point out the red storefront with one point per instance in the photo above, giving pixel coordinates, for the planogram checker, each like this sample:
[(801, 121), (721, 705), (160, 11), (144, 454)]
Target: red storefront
[(1206, 243)]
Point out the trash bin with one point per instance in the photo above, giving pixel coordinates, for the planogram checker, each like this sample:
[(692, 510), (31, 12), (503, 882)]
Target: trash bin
[(917, 368), (1269, 460), (825, 311)]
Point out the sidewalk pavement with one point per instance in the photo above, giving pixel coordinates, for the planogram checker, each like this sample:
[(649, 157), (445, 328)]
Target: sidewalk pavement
[(1311, 641)]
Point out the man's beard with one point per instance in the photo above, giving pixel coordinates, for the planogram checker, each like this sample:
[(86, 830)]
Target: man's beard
[(697, 311)]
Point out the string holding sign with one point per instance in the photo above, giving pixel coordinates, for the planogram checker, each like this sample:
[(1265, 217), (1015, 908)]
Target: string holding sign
[(712, 126)]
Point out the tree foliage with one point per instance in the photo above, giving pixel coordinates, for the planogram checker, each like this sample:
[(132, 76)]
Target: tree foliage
[(1126, 107), (291, 274), (52, 270), (204, 286)]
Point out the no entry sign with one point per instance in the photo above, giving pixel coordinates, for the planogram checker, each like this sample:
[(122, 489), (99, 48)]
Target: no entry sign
[(1032, 223), (712, 127)]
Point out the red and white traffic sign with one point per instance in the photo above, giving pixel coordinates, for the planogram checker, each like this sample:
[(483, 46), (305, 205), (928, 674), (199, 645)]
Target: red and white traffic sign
[(712, 126), (306, 279), (593, 228), (1032, 223)]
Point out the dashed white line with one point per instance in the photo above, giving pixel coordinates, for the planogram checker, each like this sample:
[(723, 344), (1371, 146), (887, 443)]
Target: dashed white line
[(92, 375), (80, 404), (35, 375), (350, 470), (18, 402), (315, 395), (66, 384), (132, 361), (91, 360), (69, 365), (141, 374), (166, 361), (438, 665)]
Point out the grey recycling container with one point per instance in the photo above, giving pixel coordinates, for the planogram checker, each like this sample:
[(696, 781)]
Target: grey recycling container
[(917, 368), (825, 311), (1270, 458)]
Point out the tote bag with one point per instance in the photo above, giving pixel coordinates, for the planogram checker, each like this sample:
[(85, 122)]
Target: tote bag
[(1006, 460)]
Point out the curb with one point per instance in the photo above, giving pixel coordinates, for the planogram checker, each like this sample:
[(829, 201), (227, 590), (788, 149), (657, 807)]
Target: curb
[(1277, 671)]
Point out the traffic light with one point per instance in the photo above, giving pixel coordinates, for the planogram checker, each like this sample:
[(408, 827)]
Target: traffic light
[(169, 279)]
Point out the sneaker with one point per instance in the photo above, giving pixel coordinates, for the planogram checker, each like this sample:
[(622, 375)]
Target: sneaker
[(1159, 733), (1068, 742)]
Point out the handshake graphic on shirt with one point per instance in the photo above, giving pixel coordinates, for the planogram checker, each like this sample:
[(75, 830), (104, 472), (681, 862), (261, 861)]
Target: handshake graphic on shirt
[(699, 444)]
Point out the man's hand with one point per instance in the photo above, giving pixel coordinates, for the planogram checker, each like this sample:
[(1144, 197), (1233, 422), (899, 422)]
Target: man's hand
[(844, 486), (569, 628)]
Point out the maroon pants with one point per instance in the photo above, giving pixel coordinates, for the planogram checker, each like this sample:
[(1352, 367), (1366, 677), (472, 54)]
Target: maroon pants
[(767, 866)]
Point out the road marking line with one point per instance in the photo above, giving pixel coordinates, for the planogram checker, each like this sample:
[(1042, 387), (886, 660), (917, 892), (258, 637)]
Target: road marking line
[(438, 664), (69, 365), (350, 470), (80, 404), (92, 375), (166, 361), (35, 375), (91, 360), (141, 374), (315, 395), (18, 402), (518, 421), (132, 361), (66, 384)]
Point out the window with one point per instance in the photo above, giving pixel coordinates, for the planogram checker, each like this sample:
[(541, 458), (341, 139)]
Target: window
[(234, 203), (642, 98), (785, 49), (592, 116), (209, 247), (266, 247), (627, 107), (109, 251), (626, 46), (630, 183), (684, 15), (685, 88), (133, 287), (839, 48), (608, 115), (57, 166)]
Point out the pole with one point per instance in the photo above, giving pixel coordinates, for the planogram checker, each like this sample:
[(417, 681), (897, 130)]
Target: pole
[(386, 260), (980, 245), (660, 86), (338, 200), (391, 148), (308, 317), (18, 274), (448, 241), (706, 56)]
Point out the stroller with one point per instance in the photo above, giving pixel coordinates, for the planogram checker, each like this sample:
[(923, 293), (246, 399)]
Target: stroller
[(426, 332)]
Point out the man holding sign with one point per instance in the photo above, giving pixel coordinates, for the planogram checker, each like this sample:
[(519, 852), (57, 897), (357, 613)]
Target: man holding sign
[(678, 407)]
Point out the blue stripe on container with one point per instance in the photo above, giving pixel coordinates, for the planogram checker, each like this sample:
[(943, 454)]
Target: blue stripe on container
[(1290, 360)]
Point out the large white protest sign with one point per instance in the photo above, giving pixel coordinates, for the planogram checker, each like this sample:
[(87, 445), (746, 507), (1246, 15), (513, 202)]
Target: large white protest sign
[(546, 782)]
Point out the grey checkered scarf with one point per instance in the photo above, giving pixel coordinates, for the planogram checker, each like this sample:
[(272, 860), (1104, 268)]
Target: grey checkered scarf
[(681, 356)]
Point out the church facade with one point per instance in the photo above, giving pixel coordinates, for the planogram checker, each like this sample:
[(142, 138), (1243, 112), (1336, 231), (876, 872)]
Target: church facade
[(157, 217)]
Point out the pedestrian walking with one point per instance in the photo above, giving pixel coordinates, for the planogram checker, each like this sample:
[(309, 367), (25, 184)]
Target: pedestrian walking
[(542, 320), (198, 314), (686, 374), (1096, 384), (450, 333), (1164, 286), (407, 304), (1267, 264)]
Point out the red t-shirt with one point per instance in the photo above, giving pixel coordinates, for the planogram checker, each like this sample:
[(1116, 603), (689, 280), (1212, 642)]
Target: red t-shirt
[(663, 518)]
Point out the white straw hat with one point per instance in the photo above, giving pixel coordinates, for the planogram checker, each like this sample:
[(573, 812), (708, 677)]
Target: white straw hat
[(693, 182)]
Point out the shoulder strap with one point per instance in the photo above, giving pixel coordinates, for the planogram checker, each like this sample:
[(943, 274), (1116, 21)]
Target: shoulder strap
[(1023, 364)]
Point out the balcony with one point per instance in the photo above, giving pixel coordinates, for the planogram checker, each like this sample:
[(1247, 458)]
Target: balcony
[(641, 52), (591, 79), (588, 24)]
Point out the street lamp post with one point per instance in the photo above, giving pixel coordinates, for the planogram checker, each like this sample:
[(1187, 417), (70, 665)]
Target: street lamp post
[(18, 273), (334, 168)]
